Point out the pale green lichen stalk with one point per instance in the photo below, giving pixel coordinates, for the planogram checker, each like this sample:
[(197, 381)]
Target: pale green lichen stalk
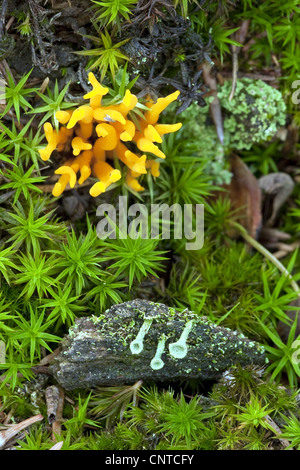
[(157, 363), (136, 346), (179, 349)]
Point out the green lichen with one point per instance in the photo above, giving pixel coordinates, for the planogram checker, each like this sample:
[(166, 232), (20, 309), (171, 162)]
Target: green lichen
[(254, 115), (157, 362), (180, 349), (136, 346)]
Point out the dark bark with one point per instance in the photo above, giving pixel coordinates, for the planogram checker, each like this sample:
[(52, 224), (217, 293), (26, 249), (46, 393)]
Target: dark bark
[(97, 350)]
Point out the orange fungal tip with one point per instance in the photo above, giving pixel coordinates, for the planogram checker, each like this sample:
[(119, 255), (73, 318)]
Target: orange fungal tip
[(97, 189), (151, 134), (146, 145), (127, 131), (133, 183), (98, 89), (78, 144), (157, 108), (153, 165), (128, 104), (52, 139), (115, 175), (57, 190), (84, 114), (101, 130), (67, 171), (45, 154), (163, 129), (63, 116), (135, 163), (108, 115), (85, 173), (60, 186)]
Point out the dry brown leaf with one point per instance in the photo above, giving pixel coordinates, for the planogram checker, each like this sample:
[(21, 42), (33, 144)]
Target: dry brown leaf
[(245, 196)]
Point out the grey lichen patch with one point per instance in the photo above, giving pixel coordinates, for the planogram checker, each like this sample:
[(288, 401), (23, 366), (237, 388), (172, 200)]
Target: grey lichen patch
[(99, 351)]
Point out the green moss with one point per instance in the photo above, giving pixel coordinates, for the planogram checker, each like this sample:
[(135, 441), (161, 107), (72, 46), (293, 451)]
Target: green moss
[(240, 288)]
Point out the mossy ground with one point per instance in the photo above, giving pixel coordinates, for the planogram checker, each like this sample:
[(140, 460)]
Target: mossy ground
[(54, 268)]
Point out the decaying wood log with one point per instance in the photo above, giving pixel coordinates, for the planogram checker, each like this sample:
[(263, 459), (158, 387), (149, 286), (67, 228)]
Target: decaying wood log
[(142, 340)]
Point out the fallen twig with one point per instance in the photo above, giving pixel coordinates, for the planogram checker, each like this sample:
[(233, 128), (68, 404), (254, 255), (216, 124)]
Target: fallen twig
[(2, 16), (57, 446), (215, 107), (13, 430), (56, 425), (277, 431), (261, 249), (240, 37)]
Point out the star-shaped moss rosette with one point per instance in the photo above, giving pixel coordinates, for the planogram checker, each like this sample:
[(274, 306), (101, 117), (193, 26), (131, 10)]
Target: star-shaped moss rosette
[(98, 133)]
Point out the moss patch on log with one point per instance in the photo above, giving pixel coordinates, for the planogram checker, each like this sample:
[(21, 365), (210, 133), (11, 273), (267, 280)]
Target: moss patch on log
[(97, 350)]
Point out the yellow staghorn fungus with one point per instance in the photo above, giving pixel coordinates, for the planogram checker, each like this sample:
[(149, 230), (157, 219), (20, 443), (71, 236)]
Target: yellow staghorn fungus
[(98, 89), (106, 174), (52, 139), (94, 132), (133, 182), (156, 109), (63, 117), (78, 145)]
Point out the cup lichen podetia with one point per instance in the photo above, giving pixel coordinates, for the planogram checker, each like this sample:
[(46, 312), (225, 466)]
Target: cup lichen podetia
[(179, 349), (157, 362), (136, 346)]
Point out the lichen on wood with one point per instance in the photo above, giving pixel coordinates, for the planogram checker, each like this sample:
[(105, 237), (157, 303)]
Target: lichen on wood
[(97, 351)]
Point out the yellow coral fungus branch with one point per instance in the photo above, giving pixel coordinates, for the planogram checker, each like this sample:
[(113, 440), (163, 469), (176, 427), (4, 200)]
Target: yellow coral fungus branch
[(93, 130), (163, 129), (67, 170), (151, 134), (125, 131), (130, 159), (78, 144), (98, 89), (108, 115), (61, 185), (133, 182), (146, 145), (63, 117), (64, 135), (52, 139), (156, 109), (84, 114), (108, 136), (84, 130), (153, 165), (107, 175), (128, 104)]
